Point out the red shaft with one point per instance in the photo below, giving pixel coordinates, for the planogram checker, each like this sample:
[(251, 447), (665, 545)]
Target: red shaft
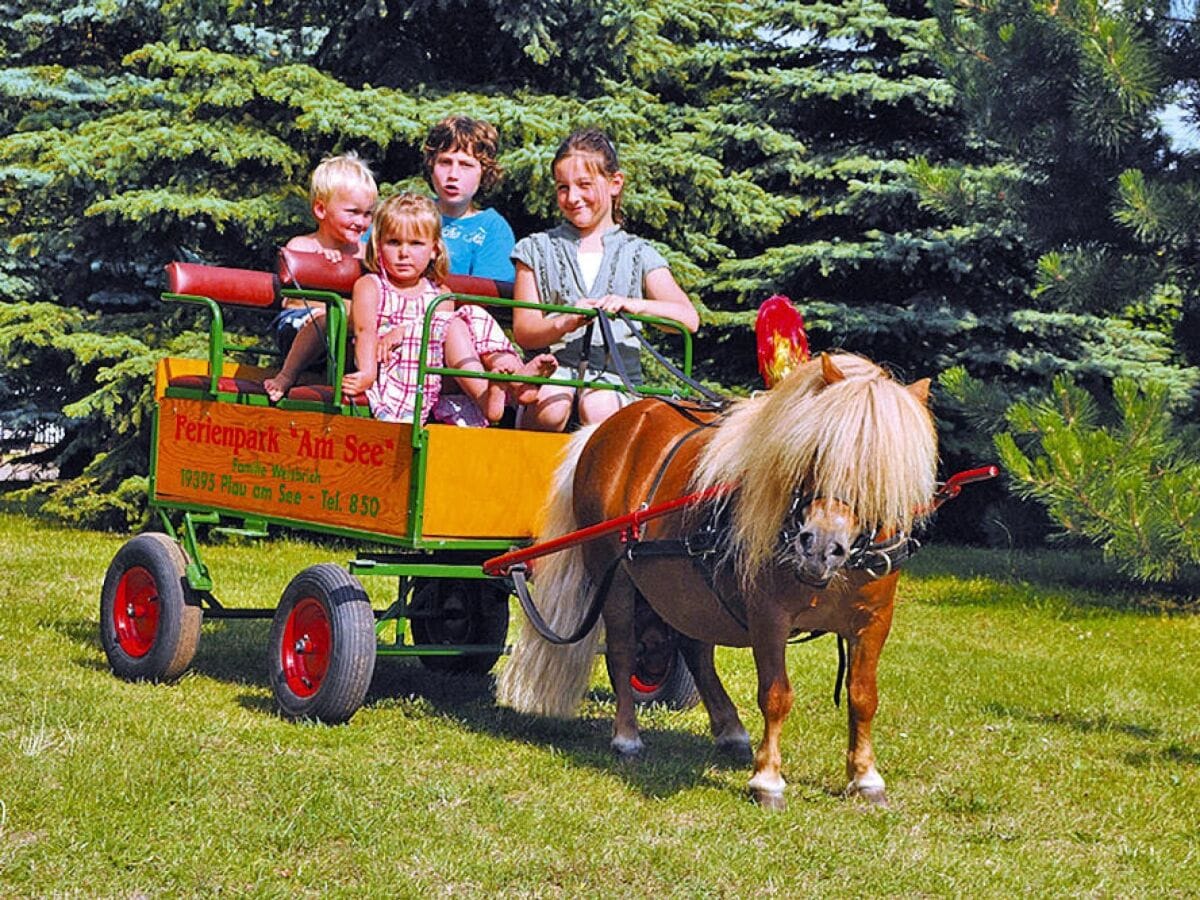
[(499, 565)]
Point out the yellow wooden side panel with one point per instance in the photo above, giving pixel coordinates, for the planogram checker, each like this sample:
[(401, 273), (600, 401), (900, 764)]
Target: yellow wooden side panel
[(313, 467), (173, 367), (488, 482)]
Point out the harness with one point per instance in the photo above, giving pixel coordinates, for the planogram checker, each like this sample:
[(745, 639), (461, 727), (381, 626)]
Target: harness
[(706, 546)]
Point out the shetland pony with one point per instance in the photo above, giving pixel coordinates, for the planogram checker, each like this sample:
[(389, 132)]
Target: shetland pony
[(835, 456)]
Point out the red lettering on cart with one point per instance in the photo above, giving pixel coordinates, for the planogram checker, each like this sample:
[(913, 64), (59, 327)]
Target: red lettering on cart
[(365, 452), (314, 447), (265, 440)]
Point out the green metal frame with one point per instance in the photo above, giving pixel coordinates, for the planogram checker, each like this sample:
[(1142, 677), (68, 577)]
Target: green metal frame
[(437, 558)]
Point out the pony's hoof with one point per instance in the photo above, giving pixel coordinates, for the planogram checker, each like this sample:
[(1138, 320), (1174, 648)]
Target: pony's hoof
[(874, 795), (736, 749), (769, 799), (627, 749), (870, 789), (877, 797)]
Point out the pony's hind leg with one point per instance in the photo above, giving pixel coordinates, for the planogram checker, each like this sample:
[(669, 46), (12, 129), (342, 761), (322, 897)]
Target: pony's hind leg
[(728, 732), (620, 656), (863, 700)]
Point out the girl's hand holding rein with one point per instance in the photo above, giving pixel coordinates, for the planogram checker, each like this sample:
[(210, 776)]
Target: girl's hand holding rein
[(613, 304)]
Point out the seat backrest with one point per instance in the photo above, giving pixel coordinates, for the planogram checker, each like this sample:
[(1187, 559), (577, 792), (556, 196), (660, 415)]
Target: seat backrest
[(241, 287), (312, 271), (479, 286)]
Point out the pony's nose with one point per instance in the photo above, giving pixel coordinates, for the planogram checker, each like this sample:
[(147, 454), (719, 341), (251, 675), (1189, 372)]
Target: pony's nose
[(827, 547), (818, 555)]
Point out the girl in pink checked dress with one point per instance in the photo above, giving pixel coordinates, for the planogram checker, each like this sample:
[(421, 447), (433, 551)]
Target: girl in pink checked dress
[(408, 263)]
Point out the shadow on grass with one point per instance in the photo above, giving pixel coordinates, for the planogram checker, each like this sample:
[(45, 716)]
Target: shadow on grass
[(1080, 577), (1173, 753), (674, 759), (1100, 724)]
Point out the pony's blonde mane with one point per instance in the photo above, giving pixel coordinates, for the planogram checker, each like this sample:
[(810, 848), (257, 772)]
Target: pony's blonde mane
[(866, 440)]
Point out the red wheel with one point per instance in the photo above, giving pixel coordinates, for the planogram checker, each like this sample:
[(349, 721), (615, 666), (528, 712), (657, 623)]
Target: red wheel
[(459, 611), (305, 648), (135, 612), (149, 622), (322, 647), (659, 673)]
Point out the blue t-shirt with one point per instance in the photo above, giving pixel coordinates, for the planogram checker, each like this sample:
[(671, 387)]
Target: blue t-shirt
[(480, 245)]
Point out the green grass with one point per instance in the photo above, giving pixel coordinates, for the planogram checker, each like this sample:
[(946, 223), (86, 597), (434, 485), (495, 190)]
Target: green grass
[(1036, 738)]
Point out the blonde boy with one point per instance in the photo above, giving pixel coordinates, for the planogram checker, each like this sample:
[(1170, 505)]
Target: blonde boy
[(343, 195)]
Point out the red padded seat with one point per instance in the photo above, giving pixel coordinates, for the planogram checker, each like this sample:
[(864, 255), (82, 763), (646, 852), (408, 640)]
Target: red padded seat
[(241, 287), (479, 287), (321, 393), (313, 272), (224, 384)]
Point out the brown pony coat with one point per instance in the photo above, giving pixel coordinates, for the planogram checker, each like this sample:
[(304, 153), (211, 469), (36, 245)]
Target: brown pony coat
[(838, 428)]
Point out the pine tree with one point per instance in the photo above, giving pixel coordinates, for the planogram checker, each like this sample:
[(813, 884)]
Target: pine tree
[(1069, 93), (1126, 483), (888, 251)]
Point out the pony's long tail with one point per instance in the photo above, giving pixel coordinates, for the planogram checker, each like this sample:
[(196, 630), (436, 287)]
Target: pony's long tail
[(543, 678)]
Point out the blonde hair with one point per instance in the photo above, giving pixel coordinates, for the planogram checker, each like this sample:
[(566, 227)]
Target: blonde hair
[(334, 173), (409, 213), (836, 426)]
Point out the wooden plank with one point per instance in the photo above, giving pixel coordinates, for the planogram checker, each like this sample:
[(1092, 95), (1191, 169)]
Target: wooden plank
[(488, 482), (304, 466)]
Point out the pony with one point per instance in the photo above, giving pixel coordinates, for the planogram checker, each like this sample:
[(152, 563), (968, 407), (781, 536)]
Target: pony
[(816, 485)]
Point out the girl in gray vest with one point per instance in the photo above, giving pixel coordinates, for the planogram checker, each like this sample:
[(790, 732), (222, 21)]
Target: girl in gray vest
[(589, 261)]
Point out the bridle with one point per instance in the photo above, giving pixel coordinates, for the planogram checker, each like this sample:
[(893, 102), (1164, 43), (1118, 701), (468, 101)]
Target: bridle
[(875, 556)]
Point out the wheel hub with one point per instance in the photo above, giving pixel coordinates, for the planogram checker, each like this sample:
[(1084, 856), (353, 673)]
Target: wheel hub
[(306, 646), (135, 612)]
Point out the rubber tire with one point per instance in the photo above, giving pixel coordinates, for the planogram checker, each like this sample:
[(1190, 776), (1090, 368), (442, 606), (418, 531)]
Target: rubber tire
[(329, 602), (660, 674), (479, 615), (149, 569)]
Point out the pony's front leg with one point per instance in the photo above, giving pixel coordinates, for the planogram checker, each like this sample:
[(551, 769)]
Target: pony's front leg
[(728, 732), (775, 701), (620, 657), (863, 693)]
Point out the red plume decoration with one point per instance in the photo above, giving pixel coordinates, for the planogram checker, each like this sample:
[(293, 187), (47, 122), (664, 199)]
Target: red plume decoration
[(782, 342)]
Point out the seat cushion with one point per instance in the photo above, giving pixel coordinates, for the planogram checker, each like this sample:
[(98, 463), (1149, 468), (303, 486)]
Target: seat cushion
[(224, 384)]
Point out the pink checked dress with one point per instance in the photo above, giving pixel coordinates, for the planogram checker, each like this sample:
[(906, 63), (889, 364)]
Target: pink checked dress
[(393, 395)]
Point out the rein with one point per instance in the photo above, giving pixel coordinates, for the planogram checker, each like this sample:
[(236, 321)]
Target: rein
[(714, 400), (700, 546)]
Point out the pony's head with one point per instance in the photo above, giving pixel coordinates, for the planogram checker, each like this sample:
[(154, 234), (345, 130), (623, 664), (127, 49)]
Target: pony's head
[(836, 450)]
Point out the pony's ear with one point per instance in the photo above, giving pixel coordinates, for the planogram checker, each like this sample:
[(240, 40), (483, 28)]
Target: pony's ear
[(830, 372), (920, 390)]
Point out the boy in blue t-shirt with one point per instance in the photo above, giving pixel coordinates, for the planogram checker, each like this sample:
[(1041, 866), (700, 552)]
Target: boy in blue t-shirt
[(460, 162)]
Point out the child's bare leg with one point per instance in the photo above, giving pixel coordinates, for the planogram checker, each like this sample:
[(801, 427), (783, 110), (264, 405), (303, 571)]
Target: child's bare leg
[(550, 411), (306, 348), (543, 366), (460, 354), (596, 406)]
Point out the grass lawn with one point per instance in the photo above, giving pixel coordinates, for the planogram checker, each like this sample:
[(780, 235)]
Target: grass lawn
[(1036, 737)]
